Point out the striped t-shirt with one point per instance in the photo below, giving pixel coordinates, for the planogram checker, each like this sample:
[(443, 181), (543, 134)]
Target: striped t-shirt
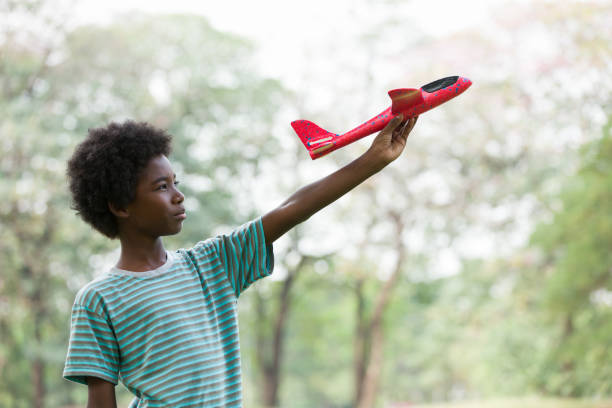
[(171, 334)]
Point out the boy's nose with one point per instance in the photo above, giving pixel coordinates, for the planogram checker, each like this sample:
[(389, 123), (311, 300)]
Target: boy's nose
[(179, 197)]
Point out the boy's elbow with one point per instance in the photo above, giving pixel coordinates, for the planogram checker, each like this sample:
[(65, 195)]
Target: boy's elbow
[(294, 214), (280, 220)]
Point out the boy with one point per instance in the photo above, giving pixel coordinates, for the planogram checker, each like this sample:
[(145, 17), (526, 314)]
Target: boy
[(163, 322)]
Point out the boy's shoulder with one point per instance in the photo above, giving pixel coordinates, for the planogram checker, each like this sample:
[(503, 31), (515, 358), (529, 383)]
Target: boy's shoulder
[(91, 296), (114, 283), (206, 246)]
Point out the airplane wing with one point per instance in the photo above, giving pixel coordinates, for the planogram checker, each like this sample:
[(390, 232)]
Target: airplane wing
[(404, 98)]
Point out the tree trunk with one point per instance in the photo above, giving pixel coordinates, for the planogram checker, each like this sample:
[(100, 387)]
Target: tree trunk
[(35, 270), (371, 355), (38, 379), (372, 375), (273, 366), (271, 362), (38, 364), (568, 364), (360, 348)]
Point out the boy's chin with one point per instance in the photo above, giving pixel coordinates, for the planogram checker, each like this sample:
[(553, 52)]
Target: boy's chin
[(171, 228), (173, 232)]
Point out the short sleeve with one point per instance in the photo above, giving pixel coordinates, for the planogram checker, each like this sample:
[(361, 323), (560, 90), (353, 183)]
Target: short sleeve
[(245, 255), (93, 350)]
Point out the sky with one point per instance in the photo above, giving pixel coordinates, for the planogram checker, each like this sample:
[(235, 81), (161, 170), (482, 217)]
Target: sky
[(264, 19), (287, 32), (293, 37)]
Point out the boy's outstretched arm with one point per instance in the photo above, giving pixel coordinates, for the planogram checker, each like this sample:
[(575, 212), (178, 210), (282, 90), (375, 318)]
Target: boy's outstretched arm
[(386, 147)]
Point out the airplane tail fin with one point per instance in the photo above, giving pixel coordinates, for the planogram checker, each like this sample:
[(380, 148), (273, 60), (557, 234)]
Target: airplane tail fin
[(317, 141)]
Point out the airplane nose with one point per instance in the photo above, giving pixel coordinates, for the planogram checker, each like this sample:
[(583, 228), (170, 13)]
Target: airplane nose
[(466, 81)]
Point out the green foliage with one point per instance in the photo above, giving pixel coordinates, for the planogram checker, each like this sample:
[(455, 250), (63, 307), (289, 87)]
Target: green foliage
[(578, 277), (579, 238), (176, 72), (531, 323), (533, 402)]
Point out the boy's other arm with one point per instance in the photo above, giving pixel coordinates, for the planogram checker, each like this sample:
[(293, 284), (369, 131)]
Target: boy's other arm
[(305, 202), (101, 394)]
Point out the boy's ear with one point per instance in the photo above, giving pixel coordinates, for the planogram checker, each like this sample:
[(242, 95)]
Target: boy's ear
[(118, 212)]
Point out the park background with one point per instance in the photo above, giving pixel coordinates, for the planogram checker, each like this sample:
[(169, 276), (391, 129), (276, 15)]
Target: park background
[(474, 271)]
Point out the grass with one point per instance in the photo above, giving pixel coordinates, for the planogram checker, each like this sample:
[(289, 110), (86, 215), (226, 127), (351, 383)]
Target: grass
[(526, 402), (532, 402)]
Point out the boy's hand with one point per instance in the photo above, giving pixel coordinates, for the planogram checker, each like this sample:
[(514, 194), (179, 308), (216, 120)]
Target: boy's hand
[(390, 142), (309, 199)]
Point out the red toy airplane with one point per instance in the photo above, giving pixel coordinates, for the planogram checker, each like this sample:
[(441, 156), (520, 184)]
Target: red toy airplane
[(407, 101)]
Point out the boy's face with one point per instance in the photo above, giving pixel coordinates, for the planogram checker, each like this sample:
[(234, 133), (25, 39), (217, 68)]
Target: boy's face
[(157, 209)]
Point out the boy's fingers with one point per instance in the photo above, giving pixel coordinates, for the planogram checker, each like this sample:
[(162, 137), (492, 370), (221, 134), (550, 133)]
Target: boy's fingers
[(393, 123), (408, 127), (405, 126), (412, 122)]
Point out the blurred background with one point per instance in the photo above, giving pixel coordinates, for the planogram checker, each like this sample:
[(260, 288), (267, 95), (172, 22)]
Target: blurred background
[(475, 271)]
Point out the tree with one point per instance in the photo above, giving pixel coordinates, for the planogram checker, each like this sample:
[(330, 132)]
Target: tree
[(176, 72), (577, 266)]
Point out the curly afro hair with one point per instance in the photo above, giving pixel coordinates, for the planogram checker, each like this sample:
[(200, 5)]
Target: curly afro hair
[(106, 166)]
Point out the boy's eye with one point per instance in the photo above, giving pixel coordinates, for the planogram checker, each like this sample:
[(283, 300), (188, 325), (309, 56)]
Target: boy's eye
[(165, 185)]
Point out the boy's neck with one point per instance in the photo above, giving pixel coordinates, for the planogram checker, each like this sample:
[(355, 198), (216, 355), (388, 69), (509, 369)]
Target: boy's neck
[(141, 255)]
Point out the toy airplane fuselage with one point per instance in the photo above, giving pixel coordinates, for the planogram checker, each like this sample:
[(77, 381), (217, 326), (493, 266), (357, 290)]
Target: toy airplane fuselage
[(406, 101)]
